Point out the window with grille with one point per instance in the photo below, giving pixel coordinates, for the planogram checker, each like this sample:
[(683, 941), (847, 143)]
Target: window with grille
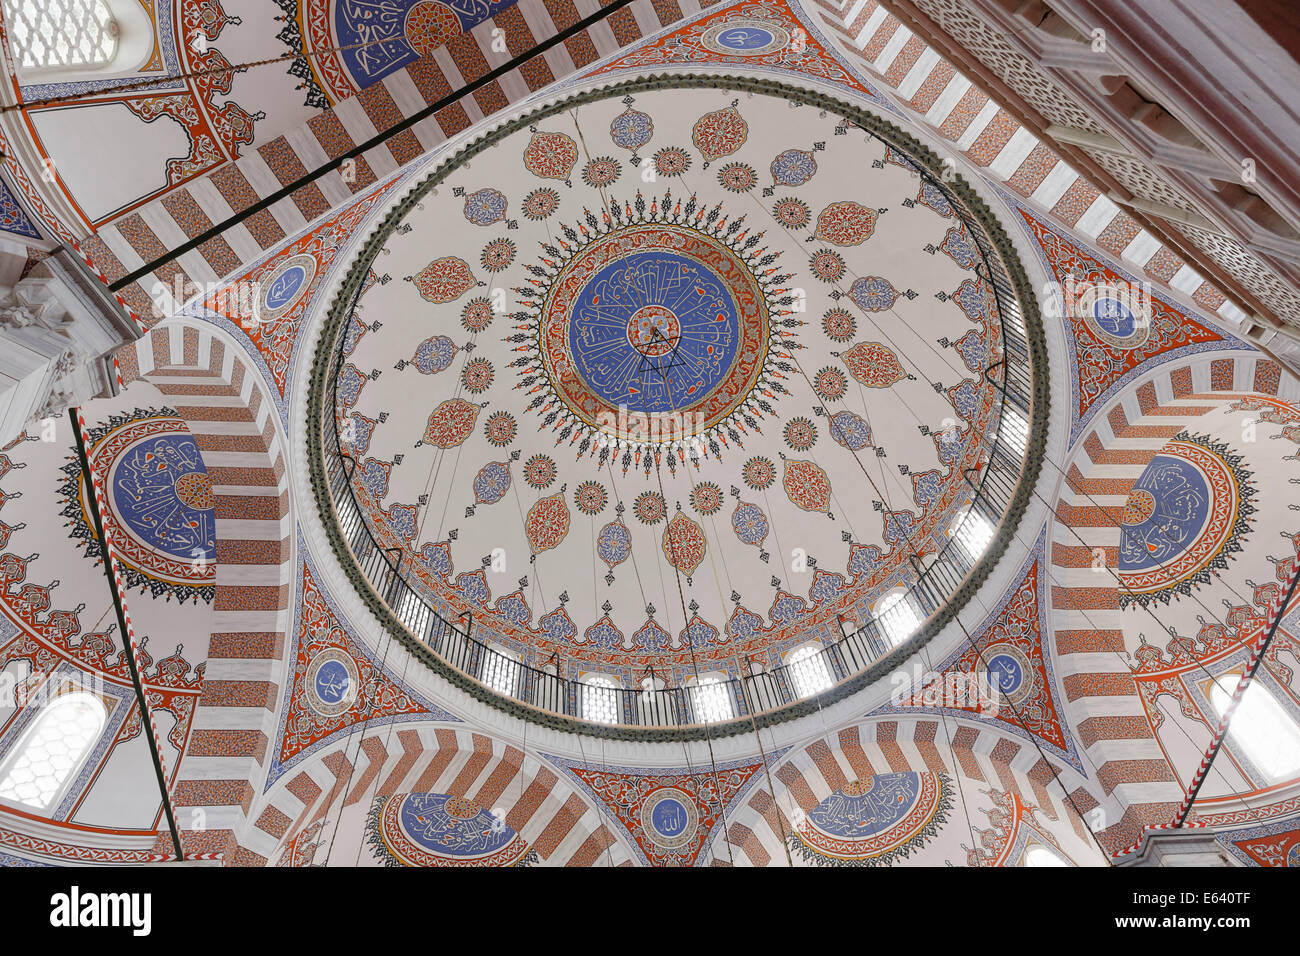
[(52, 749), (712, 700), (61, 33), (974, 533), (808, 670), (1260, 728), (600, 699), (896, 617), (500, 671)]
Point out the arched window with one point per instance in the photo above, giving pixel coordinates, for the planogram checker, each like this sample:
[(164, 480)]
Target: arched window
[(973, 532), (62, 33), (1042, 856), (808, 670), (52, 749), (1260, 729), (599, 699), (501, 670), (711, 699), (1013, 431), (896, 616)]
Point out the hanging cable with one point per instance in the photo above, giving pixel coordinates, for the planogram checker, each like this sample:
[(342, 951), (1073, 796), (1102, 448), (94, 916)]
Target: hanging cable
[(96, 505), (379, 139)]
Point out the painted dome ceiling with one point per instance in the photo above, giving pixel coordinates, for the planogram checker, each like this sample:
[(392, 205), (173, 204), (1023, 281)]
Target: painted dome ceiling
[(671, 377)]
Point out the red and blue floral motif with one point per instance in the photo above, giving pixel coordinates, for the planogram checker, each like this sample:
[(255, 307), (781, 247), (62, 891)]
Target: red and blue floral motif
[(551, 155), (485, 206)]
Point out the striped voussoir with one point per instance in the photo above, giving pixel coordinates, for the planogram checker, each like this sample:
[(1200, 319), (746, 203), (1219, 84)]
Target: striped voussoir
[(1100, 696), (384, 758), (130, 242), (1275, 610), (226, 409), (939, 96), (984, 757)]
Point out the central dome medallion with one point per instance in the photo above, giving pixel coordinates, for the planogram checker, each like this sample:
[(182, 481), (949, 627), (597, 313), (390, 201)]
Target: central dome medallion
[(673, 379), (658, 331)]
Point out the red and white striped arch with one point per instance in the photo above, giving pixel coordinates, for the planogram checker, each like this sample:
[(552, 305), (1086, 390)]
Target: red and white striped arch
[(1092, 652), (976, 756), (316, 814), (222, 400)]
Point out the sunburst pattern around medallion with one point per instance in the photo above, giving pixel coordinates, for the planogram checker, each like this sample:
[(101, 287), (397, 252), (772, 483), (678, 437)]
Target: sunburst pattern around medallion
[(590, 498), (706, 498), (800, 433), (830, 384), (539, 471), (688, 216), (498, 254), (477, 375), (839, 325), (500, 428), (649, 507), (672, 161), (792, 213), (738, 177), (541, 203), (759, 473), (827, 265), (601, 171), (477, 314)]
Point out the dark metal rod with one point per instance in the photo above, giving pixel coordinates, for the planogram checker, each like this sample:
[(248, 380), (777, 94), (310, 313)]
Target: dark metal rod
[(129, 654), (377, 140)]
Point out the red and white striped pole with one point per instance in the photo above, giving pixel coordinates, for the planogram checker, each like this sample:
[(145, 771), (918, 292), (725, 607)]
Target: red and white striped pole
[(1271, 621), (1274, 617)]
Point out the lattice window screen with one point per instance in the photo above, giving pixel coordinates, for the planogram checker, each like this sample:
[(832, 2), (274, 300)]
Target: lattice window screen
[(67, 33)]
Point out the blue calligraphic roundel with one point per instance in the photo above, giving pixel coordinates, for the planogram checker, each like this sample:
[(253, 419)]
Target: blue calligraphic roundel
[(285, 286), (1184, 517), (744, 38), (874, 821), (332, 681), (438, 829), (655, 331), (1114, 317), (1165, 513), (1010, 675), (161, 492), (670, 817)]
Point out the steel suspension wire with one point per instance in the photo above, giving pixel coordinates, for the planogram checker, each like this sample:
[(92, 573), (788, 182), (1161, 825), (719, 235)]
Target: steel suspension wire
[(952, 754), (1104, 511), (376, 675), (388, 739), (695, 664), (957, 618), (379, 139), (97, 505)]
